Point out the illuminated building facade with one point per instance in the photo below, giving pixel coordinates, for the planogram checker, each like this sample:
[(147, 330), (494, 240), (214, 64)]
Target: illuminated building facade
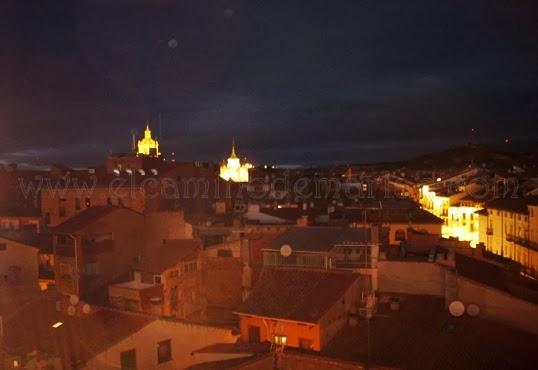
[(147, 146), (233, 169), (456, 210), (509, 227)]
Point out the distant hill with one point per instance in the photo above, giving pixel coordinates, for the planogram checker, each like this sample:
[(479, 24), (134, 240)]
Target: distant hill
[(465, 155), (461, 156)]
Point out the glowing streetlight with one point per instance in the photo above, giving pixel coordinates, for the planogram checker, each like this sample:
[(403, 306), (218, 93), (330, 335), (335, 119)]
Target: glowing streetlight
[(57, 325)]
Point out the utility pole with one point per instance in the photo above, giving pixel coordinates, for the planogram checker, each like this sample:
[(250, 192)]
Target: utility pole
[(2, 359)]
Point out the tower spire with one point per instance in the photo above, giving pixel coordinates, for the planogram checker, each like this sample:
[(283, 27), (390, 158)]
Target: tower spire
[(233, 155)]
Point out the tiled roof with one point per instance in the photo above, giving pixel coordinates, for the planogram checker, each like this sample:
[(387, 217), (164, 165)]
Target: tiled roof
[(41, 241), (422, 335), (518, 205), (169, 254), (255, 361), (394, 215), (30, 328), (298, 295), (86, 217), (292, 214), (497, 278), (237, 347), (320, 238)]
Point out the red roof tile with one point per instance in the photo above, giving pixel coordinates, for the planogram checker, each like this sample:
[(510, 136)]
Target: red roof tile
[(169, 254), (30, 327), (87, 217), (298, 295)]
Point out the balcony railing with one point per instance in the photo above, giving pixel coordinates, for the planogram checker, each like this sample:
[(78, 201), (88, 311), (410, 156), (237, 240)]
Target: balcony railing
[(349, 264), (522, 241)]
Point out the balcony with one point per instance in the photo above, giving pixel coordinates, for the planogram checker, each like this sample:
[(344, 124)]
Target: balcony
[(353, 264), (522, 241), (295, 260)]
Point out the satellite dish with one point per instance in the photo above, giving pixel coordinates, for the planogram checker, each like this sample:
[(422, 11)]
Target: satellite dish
[(456, 308), (473, 310), (71, 310), (172, 43), (73, 299), (86, 309), (285, 250)]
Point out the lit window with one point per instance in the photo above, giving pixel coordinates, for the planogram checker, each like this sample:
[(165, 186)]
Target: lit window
[(280, 340), (164, 351)]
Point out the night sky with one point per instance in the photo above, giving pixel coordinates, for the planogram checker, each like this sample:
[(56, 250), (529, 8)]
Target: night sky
[(294, 81)]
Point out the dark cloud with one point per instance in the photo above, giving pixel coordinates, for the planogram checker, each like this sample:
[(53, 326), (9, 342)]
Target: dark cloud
[(300, 81)]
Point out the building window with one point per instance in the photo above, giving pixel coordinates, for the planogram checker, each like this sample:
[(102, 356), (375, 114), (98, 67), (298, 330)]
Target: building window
[(173, 274), (128, 360), (157, 279), (305, 343), (253, 334), (280, 340), (224, 253), (88, 202), (61, 211), (190, 267), (400, 235), (164, 351), (77, 204), (109, 201)]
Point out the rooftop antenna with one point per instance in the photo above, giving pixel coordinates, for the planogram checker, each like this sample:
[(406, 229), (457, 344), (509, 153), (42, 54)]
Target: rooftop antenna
[(160, 126), (133, 138)]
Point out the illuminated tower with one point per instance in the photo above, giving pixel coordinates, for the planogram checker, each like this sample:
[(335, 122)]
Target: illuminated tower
[(233, 170), (147, 146)]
